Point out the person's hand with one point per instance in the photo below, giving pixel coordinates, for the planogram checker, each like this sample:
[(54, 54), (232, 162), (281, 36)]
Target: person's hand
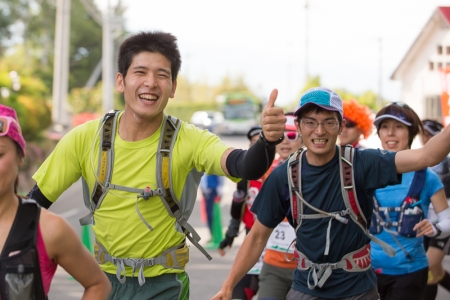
[(225, 243), (222, 295), (272, 119), (424, 227), (232, 232)]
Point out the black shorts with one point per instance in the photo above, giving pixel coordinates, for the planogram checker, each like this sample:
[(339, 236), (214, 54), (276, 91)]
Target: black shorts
[(442, 244)]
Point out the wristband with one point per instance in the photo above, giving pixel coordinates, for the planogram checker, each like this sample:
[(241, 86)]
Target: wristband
[(262, 139)]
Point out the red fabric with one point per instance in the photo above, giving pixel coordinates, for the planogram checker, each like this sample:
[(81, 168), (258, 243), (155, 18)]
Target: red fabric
[(48, 266)]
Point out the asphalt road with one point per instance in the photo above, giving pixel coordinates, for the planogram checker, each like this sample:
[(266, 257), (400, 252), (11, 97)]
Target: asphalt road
[(206, 276)]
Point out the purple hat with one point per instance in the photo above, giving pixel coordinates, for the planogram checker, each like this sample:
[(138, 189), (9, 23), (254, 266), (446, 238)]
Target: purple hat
[(14, 130), (323, 97)]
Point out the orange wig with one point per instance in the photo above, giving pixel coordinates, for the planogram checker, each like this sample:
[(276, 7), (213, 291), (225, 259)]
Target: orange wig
[(358, 114)]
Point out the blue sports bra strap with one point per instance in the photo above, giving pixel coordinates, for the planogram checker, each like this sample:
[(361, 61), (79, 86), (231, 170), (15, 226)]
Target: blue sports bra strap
[(417, 183)]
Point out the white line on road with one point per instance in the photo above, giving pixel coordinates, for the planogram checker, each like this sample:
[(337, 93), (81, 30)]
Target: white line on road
[(70, 213)]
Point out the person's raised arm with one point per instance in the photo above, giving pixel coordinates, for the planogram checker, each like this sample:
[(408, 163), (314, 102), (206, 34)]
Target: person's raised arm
[(253, 163), (246, 258), (65, 248), (431, 154)]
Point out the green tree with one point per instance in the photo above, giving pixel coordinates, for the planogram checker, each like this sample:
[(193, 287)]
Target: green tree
[(28, 99)]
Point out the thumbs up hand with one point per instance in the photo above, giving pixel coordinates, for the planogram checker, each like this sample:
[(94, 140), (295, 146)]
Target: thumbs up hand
[(272, 119)]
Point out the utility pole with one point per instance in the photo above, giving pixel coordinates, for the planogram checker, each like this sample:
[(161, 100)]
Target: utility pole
[(107, 60), (306, 40), (380, 76), (61, 66)]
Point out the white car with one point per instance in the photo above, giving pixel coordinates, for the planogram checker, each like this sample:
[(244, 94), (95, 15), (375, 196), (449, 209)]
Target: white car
[(208, 119)]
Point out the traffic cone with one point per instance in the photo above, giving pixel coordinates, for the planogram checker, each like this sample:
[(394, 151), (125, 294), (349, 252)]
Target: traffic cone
[(217, 232), (203, 210), (86, 238)]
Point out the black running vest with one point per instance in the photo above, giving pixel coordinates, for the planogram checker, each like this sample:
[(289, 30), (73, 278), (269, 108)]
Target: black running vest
[(20, 274)]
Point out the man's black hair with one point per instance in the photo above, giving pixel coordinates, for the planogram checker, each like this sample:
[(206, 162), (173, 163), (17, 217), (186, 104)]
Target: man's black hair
[(149, 41)]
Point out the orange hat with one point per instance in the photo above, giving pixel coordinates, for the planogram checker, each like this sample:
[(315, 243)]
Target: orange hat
[(360, 115)]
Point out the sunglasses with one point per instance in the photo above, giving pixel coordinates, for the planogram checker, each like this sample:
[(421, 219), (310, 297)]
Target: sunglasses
[(350, 124), (291, 135), (5, 125)]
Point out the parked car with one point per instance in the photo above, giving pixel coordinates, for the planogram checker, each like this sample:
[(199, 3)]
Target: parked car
[(208, 119)]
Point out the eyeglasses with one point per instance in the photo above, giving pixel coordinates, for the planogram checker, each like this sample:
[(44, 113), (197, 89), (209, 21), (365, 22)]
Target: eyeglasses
[(5, 124), (312, 124), (291, 135)]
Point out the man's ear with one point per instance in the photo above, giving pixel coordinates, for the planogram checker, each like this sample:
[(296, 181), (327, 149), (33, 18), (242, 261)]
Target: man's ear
[(174, 87), (120, 83)]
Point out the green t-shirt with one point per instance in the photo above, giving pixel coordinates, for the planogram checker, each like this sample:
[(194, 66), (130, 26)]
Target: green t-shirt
[(117, 225)]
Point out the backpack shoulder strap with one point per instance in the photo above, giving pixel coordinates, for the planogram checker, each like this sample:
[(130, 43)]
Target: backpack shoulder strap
[(346, 154), (164, 155), (167, 140), (294, 181), (417, 184), (105, 162), (24, 230)]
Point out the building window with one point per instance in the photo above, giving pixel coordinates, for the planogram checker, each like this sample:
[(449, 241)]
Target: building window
[(431, 65), (439, 49), (439, 65), (447, 64), (447, 50), (433, 108)]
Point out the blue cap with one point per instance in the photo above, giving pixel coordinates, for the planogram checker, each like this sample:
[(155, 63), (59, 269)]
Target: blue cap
[(323, 97), (399, 117)]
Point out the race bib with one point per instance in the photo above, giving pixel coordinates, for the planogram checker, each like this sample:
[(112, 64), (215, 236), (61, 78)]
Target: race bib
[(256, 270), (281, 238)]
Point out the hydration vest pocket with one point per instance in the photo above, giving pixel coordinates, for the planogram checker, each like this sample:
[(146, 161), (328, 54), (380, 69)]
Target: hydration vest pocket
[(20, 282), (408, 218), (375, 226)]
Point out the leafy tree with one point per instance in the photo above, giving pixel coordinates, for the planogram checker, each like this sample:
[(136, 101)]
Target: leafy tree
[(29, 99)]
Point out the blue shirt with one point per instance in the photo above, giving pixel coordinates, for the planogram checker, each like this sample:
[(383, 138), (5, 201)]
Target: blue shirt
[(321, 187), (393, 196)]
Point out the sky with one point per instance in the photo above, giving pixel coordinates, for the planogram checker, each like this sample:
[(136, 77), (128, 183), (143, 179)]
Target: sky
[(351, 44)]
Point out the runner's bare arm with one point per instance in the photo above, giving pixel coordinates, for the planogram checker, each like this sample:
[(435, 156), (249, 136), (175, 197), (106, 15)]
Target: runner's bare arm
[(65, 248), (247, 256), (432, 153)]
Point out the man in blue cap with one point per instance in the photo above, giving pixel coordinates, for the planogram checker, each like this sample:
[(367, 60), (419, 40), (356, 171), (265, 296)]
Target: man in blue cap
[(326, 192)]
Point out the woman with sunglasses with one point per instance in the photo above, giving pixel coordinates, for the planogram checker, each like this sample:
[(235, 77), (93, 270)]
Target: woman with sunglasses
[(33, 241), (271, 277), (400, 212), (436, 248), (277, 272)]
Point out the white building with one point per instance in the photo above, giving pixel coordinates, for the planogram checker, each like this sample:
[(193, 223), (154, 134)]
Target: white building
[(419, 69)]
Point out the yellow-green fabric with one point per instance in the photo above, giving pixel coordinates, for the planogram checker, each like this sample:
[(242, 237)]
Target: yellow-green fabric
[(117, 225)]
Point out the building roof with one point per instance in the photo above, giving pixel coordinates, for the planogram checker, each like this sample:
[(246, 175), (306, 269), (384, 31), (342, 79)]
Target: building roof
[(441, 14), (445, 12)]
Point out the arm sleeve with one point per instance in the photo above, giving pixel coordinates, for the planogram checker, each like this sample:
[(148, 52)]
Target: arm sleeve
[(36, 195), (239, 200), (251, 164)]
